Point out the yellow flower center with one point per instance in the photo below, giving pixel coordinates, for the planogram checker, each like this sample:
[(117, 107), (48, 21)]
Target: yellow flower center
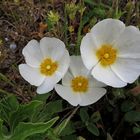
[(79, 84), (48, 67), (106, 55)]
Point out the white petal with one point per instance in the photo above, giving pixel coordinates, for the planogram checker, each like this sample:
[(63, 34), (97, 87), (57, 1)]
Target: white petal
[(95, 83), (107, 76), (67, 94), (52, 47), (32, 53), (92, 96), (49, 83), (88, 51), (127, 69), (77, 67), (66, 80), (107, 30), (128, 43), (64, 63), (31, 75)]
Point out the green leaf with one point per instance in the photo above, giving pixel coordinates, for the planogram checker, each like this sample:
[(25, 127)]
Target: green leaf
[(8, 105), (24, 130), (54, 107), (35, 137), (89, 2), (96, 116), (84, 115), (65, 122), (24, 112), (42, 97), (88, 16), (99, 12), (93, 4), (132, 116), (65, 128), (69, 129), (81, 138), (50, 109), (127, 106), (1, 134), (109, 137), (5, 130), (70, 137), (51, 135), (119, 93), (136, 130), (93, 129)]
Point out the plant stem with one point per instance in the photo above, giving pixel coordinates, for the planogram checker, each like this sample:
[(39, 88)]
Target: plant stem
[(65, 26), (118, 127), (68, 119)]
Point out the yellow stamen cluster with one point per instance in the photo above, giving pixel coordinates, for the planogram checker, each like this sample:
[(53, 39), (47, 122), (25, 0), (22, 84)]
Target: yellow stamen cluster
[(106, 55), (48, 67), (79, 84)]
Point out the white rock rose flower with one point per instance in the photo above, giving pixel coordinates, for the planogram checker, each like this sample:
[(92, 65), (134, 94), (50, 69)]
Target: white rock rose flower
[(47, 62), (78, 87), (111, 51)]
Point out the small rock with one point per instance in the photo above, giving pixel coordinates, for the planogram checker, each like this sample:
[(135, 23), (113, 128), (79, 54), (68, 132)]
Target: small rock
[(13, 46)]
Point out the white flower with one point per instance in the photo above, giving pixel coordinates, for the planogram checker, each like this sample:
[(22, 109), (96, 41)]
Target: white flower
[(78, 87), (47, 62), (112, 52)]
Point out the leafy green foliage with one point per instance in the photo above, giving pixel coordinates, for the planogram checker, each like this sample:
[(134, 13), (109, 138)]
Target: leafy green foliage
[(20, 118), (109, 137), (65, 128), (8, 106), (47, 111), (84, 115), (136, 130), (96, 116), (90, 121), (41, 97), (127, 106), (53, 107), (93, 129), (70, 137), (23, 130), (24, 112), (1, 134), (132, 116), (52, 135)]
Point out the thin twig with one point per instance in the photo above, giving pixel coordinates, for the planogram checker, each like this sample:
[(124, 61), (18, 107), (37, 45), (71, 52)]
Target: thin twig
[(68, 119), (118, 127)]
